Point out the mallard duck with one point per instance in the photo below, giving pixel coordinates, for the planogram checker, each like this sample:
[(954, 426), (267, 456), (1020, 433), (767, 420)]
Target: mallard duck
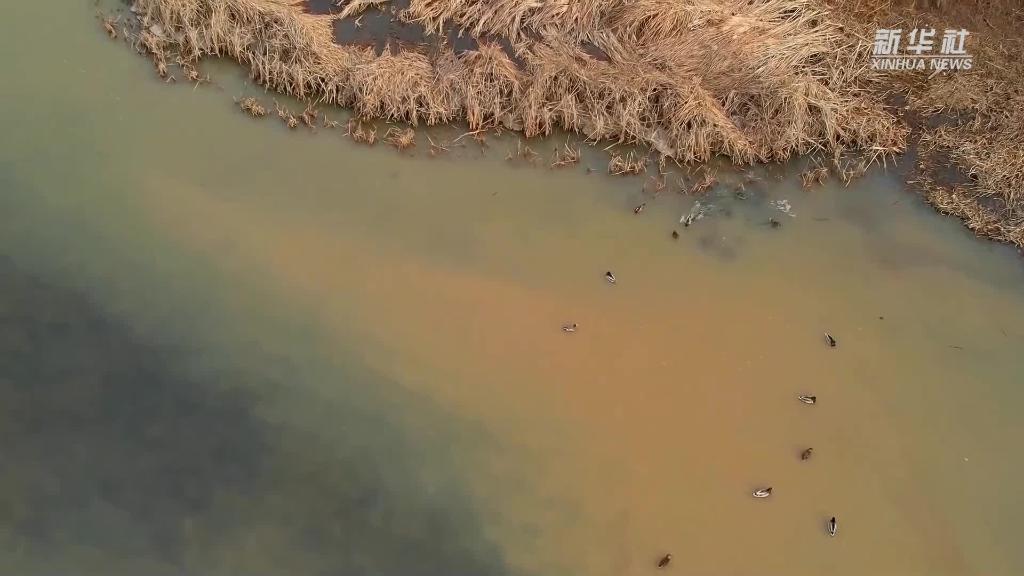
[(763, 492), (806, 454), (807, 399), (609, 277), (569, 327), (639, 208), (830, 340), (664, 560), (832, 525)]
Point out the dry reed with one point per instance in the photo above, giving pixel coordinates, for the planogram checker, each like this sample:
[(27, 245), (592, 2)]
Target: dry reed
[(522, 152), (629, 164), (359, 133), (691, 79), (813, 176), (252, 107), (968, 126), (400, 138), (565, 156), (708, 180)]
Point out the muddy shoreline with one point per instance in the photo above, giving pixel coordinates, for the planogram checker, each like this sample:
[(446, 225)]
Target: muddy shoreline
[(424, 61)]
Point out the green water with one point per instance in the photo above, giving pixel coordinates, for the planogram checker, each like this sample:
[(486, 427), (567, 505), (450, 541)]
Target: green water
[(228, 348)]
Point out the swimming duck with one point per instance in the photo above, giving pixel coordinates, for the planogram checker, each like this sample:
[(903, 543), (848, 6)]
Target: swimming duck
[(830, 340), (832, 526), (609, 277), (806, 454), (774, 223), (763, 492), (808, 399), (664, 560), (675, 234), (639, 208), (569, 327)]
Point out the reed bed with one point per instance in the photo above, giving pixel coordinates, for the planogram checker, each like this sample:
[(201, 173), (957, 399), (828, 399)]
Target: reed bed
[(751, 80), (691, 79), (968, 126)]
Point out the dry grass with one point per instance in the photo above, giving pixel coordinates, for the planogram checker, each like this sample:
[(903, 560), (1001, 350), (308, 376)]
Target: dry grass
[(628, 164), (436, 148), (361, 134), (400, 138), (522, 152), (110, 25), (285, 115), (752, 80), (968, 126), (707, 180), (565, 156), (252, 107), (691, 79), (813, 176)]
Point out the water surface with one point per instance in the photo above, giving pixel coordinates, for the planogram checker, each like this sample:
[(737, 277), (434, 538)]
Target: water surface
[(227, 348)]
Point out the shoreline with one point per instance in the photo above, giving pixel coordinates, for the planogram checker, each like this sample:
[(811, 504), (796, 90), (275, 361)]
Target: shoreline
[(782, 79)]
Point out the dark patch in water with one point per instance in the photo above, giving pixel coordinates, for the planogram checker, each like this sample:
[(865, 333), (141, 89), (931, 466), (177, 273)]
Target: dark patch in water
[(145, 452), (321, 6), (102, 430), (713, 244), (384, 31), (379, 29)]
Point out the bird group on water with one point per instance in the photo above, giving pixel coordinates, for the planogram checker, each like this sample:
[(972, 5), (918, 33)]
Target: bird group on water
[(832, 525)]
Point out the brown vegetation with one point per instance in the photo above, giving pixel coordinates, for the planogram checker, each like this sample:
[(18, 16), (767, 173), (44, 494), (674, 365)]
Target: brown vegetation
[(708, 180), (968, 126), (565, 156), (753, 81), (252, 107), (400, 138), (628, 164), (813, 176), (691, 79), (361, 134)]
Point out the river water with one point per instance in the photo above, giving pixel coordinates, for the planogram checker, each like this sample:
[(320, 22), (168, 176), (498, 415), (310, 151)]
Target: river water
[(227, 348)]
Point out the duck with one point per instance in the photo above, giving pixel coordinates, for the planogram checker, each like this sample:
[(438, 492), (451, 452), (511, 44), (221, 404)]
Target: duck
[(639, 208), (664, 560), (832, 525), (830, 340), (806, 454), (763, 492), (675, 234), (569, 327), (609, 277), (774, 223), (807, 399)]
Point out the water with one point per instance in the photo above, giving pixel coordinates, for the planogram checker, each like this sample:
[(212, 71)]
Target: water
[(227, 348)]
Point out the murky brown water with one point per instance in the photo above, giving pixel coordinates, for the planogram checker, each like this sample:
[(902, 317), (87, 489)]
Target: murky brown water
[(230, 349)]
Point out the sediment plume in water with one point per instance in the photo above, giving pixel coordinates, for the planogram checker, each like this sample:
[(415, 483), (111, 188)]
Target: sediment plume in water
[(751, 81)]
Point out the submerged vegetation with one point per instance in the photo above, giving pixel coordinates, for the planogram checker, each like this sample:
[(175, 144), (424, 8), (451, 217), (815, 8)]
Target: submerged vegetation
[(753, 81)]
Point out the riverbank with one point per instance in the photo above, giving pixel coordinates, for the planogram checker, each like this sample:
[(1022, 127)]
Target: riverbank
[(967, 127), (752, 82)]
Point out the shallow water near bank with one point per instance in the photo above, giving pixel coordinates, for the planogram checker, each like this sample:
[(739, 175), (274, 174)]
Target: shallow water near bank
[(231, 348)]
